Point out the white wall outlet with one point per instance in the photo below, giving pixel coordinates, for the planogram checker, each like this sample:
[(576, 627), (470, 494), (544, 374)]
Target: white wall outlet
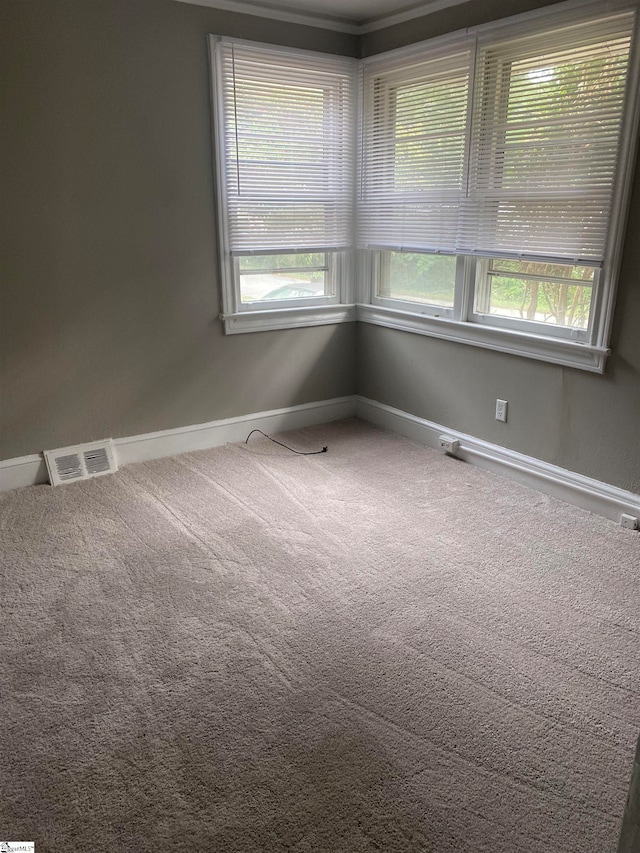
[(501, 410), (448, 444), (629, 521)]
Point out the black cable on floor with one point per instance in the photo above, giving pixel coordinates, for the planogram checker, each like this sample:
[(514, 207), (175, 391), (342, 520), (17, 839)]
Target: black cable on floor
[(275, 441)]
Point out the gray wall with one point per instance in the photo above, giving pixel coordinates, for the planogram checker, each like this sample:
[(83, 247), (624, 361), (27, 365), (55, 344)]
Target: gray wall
[(109, 292), (108, 268), (584, 422)]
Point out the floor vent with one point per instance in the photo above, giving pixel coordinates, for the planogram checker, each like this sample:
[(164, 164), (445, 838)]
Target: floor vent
[(80, 462)]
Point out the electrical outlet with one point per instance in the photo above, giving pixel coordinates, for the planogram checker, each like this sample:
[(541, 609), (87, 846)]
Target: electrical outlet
[(448, 444), (501, 410)]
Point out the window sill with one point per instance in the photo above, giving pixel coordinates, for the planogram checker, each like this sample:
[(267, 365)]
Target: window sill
[(286, 318), (555, 350)]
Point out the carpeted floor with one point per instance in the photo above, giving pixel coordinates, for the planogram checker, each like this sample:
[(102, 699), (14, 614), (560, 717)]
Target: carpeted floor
[(374, 649)]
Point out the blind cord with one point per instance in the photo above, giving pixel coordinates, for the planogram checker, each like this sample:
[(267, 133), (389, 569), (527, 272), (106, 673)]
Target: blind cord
[(235, 115)]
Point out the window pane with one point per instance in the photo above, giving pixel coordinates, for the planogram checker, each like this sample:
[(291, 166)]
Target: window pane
[(416, 277), (556, 294), (545, 92), (430, 127), (285, 141), (276, 277), (414, 149), (545, 138)]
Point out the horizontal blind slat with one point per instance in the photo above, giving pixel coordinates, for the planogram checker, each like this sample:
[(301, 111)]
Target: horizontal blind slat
[(546, 122), (542, 131), (413, 150), (287, 139)]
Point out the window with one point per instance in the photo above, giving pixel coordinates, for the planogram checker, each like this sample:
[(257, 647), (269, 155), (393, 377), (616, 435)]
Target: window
[(271, 277), (556, 294), (417, 277), (483, 179), (414, 142), (491, 184), (285, 139)]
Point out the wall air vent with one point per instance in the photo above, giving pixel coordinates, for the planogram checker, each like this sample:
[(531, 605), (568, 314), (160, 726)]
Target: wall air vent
[(81, 462)]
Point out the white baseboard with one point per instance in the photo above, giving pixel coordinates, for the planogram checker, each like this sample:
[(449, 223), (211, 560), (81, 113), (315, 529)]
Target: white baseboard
[(155, 445), (593, 495), (29, 470), (22, 471)]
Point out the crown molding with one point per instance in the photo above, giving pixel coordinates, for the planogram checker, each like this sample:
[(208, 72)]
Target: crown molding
[(382, 21), (329, 22)]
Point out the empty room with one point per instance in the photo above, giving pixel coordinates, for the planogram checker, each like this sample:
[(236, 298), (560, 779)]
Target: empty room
[(319, 426)]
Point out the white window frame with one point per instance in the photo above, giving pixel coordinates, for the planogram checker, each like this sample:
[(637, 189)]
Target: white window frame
[(584, 349), (335, 275), (238, 317), (356, 272), (414, 306), (574, 334)]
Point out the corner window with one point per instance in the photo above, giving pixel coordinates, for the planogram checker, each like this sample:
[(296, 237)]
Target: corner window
[(493, 182), (474, 186), (284, 124)]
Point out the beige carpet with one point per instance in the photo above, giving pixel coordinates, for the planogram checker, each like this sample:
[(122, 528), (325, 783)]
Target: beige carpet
[(374, 649)]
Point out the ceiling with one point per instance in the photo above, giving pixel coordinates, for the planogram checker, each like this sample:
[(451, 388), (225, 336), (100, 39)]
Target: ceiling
[(347, 15)]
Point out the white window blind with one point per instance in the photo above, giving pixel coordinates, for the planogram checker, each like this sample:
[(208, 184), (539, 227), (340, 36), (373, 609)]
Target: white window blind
[(413, 165), (523, 167), (286, 128), (546, 125)]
